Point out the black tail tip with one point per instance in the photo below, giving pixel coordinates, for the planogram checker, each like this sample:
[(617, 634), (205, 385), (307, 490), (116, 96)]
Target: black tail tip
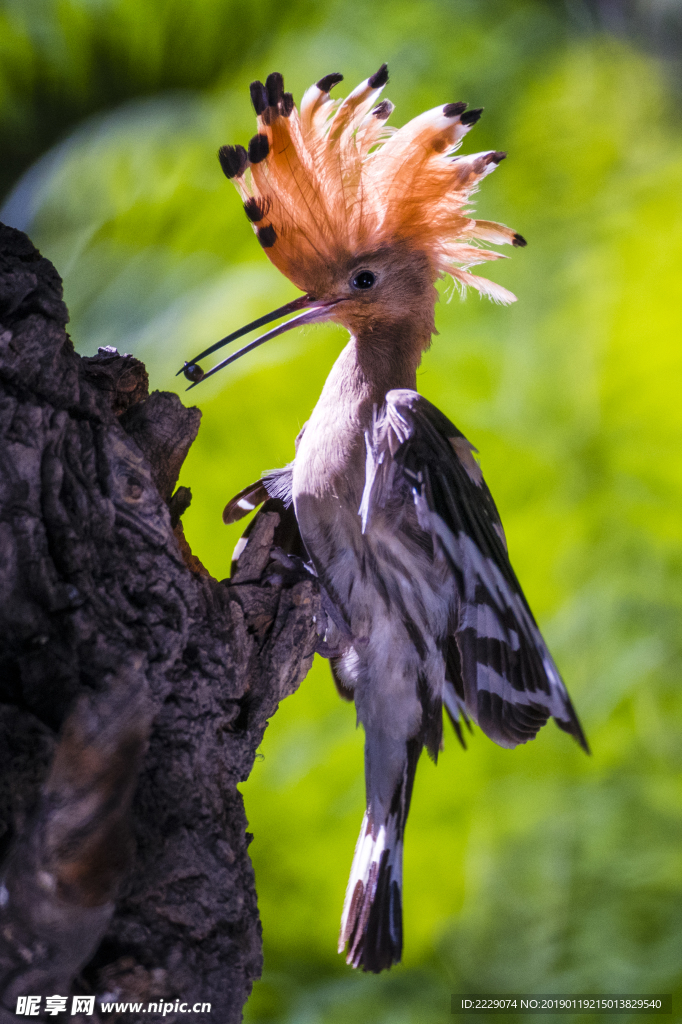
[(519, 242), (382, 943), (379, 78), (454, 109), (376, 922)]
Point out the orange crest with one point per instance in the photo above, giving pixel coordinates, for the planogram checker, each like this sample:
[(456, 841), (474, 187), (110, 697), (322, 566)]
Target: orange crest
[(333, 180)]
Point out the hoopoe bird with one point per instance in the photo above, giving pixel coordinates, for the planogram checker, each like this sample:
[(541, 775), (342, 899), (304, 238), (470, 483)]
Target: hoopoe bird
[(385, 497)]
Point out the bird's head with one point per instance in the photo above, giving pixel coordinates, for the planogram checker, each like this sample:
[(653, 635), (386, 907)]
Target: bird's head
[(363, 218), (377, 290)]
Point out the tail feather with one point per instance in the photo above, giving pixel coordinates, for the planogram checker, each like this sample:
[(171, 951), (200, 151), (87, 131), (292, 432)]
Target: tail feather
[(371, 923), (383, 942), (372, 919)]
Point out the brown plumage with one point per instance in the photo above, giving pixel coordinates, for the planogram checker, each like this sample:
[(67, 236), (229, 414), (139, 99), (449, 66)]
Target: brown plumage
[(384, 498), (335, 181)]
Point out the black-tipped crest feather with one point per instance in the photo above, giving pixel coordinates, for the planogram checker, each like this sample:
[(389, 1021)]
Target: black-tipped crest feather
[(274, 87), (233, 160), (471, 116), (259, 96), (327, 83), (380, 77), (455, 110), (259, 147)]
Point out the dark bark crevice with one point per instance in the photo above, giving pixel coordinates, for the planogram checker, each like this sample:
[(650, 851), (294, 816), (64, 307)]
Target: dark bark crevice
[(134, 687)]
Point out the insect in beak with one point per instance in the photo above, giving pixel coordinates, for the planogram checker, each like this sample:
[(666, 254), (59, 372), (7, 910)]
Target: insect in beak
[(314, 311)]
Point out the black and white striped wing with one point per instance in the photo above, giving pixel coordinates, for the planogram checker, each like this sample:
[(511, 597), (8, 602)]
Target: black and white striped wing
[(499, 670), (276, 484), (273, 492)]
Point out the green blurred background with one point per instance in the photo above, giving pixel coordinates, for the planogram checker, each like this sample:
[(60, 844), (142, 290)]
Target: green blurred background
[(534, 870)]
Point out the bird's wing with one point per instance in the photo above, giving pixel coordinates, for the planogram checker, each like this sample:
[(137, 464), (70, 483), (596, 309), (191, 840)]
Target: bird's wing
[(498, 668), (277, 483), (274, 492), (248, 499)]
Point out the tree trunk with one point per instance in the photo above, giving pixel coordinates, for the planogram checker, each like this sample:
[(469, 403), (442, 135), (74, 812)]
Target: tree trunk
[(134, 688)]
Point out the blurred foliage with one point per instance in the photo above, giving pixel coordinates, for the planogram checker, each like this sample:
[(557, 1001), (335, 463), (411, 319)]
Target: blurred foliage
[(532, 870), (61, 60)]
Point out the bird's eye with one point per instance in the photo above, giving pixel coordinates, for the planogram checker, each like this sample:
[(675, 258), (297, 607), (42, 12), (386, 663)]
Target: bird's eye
[(365, 279)]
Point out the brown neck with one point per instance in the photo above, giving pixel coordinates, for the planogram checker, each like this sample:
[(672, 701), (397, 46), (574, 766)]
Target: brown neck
[(371, 365), (331, 455), (387, 363)]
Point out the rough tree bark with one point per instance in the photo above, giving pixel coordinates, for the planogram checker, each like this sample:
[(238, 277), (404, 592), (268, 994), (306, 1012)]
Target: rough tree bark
[(134, 687)]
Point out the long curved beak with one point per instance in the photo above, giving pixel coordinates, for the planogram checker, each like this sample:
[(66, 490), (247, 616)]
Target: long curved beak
[(314, 311)]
